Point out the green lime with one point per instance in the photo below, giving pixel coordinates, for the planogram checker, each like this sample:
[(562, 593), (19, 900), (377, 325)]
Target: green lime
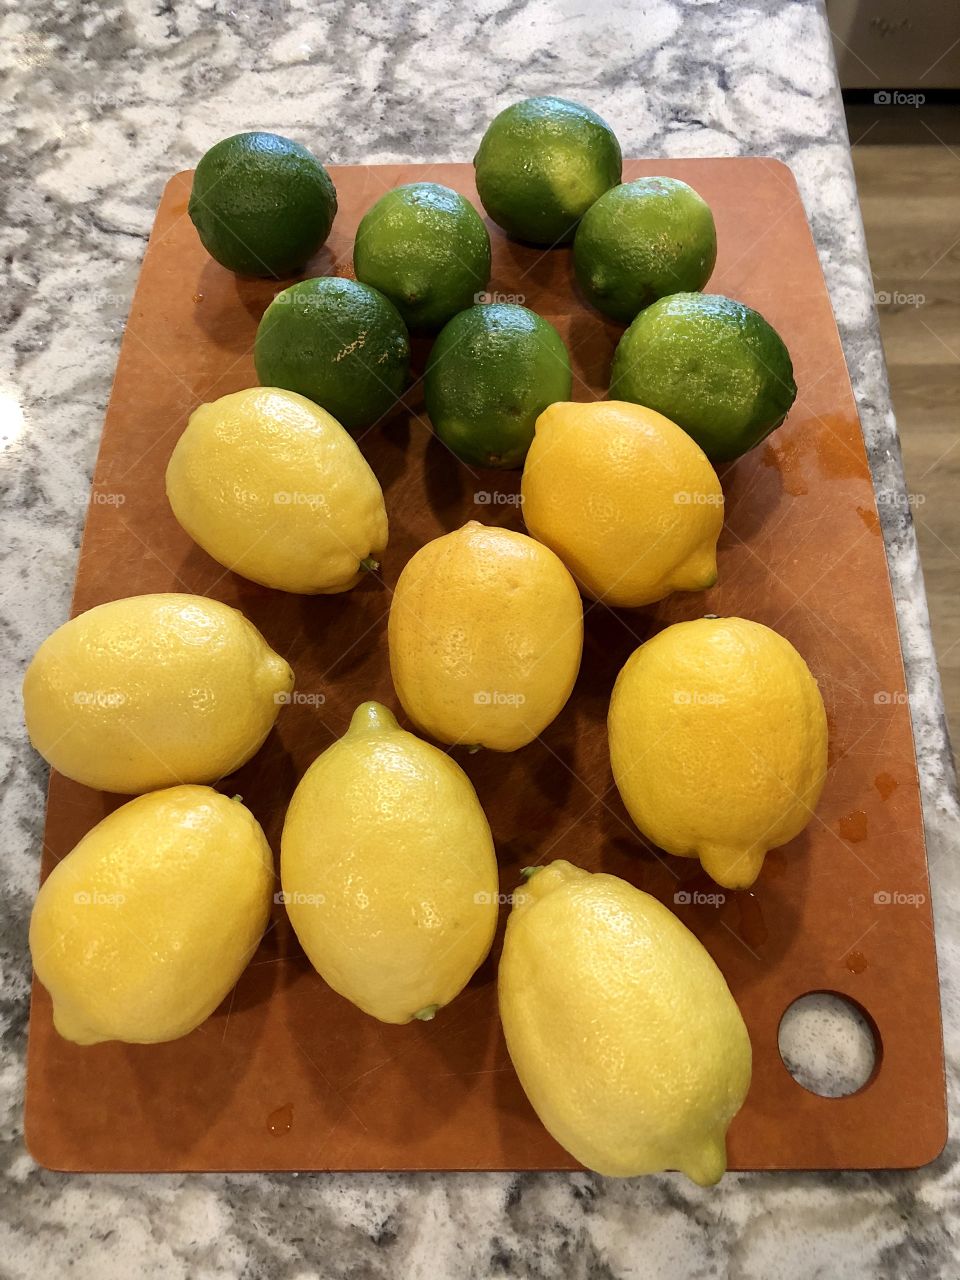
[(491, 373), (338, 342), (261, 204), (709, 364), (641, 241), (541, 165), (427, 249)]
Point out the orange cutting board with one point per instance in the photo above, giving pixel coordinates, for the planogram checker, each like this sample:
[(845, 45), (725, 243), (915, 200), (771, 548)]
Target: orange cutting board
[(287, 1075)]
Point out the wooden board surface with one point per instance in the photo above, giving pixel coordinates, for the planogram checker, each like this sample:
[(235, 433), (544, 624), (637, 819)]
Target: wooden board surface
[(287, 1075)]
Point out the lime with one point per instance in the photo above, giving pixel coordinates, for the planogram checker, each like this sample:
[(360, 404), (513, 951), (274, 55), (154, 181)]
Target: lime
[(261, 204), (541, 165), (641, 241), (337, 342), (427, 249), (711, 365), (491, 373)]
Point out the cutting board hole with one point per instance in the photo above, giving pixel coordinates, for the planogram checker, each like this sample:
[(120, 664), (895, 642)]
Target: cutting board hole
[(829, 1044)]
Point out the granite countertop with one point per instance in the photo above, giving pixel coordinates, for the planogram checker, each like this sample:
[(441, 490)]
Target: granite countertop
[(105, 102)]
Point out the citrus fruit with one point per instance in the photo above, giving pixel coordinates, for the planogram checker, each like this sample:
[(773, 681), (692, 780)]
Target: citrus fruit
[(642, 240), (337, 342), (621, 1028), (625, 498), (143, 929), (493, 369), (718, 743), (712, 365), (426, 248), (261, 204), (152, 690), (273, 487), (540, 166), (388, 869), (485, 636)]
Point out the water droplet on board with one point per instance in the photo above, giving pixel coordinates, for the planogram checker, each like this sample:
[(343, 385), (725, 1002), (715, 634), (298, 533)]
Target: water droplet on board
[(281, 1120), (886, 784), (853, 827), (869, 518), (752, 926), (856, 961), (787, 460)]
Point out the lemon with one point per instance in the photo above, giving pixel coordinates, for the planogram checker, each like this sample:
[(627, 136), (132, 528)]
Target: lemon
[(625, 498), (621, 1028), (143, 929), (718, 742), (485, 636), (388, 869), (153, 690), (273, 487)]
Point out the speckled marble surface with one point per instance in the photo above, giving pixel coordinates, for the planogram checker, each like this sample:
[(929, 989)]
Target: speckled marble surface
[(104, 102)]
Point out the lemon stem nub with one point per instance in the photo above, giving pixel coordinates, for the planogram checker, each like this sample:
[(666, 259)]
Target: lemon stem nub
[(427, 1013), (238, 798), (474, 747), (368, 564), (527, 872)]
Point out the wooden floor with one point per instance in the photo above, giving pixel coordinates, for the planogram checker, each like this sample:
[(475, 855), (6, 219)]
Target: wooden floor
[(910, 197)]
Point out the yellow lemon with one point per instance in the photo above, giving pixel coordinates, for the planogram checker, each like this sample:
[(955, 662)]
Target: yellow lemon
[(143, 929), (621, 1028), (388, 870), (485, 635), (626, 499), (718, 742), (274, 488), (153, 690)]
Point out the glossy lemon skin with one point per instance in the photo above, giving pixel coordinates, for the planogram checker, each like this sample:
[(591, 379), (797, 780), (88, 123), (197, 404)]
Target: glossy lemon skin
[(388, 869), (275, 489), (627, 500), (151, 691), (621, 1028), (142, 930), (718, 743), (485, 637)]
